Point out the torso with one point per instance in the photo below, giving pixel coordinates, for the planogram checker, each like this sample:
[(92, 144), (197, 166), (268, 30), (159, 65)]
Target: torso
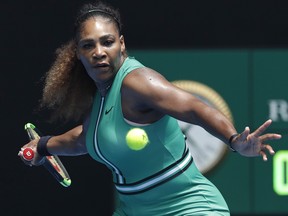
[(165, 157), (108, 128)]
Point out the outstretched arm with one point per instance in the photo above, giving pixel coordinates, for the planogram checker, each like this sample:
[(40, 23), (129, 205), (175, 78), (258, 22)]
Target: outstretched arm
[(160, 97)]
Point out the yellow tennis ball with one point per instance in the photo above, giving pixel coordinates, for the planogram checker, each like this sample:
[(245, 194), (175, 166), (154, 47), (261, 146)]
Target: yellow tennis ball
[(137, 139)]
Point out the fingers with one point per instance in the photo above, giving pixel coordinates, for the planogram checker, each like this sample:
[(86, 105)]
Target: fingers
[(26, 154), (270, 136), (243, 136), (264, 156), (264, 149), (30, 157), (268, 148), (262, 128), (20, 154), (253, 144)]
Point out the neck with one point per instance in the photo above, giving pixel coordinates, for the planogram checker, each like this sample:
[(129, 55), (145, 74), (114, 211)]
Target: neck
[(104, 87)]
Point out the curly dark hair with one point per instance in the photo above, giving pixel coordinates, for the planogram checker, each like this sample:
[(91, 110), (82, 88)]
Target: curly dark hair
[(68, 90)]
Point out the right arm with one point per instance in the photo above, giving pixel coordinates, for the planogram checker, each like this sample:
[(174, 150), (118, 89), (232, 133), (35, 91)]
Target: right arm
[(70, 143)]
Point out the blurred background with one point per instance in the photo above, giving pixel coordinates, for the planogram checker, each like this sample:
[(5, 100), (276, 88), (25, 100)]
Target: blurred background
[(237, 48)]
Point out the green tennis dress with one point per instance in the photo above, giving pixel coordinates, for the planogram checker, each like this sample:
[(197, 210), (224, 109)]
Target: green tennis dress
[(161, 179)]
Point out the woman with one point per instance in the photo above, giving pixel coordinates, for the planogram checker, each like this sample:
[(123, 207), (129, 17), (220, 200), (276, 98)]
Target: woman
[(94, 80)]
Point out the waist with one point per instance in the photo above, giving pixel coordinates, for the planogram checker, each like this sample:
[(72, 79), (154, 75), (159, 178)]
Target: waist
[(158, 178)]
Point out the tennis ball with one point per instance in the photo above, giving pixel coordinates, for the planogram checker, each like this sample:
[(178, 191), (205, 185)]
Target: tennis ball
[(137, 139)]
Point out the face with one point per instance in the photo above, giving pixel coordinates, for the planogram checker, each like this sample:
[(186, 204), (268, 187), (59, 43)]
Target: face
[(100, 48)]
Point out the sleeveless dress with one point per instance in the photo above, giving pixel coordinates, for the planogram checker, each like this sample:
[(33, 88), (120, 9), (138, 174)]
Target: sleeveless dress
[(160, 179)]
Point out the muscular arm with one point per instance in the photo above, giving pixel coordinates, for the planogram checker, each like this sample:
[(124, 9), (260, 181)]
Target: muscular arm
[(149, 94), (70, 143)]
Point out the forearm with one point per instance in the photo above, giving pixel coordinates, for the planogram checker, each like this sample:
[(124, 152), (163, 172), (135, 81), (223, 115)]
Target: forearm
[(215, 123), (70, 143)]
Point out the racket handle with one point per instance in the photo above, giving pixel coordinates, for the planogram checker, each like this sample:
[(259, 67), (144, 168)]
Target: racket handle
[(28, 154)]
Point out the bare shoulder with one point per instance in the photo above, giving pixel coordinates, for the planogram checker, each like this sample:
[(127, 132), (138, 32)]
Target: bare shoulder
[(142, 74), (140, 90), (147, 95), (144, 79)]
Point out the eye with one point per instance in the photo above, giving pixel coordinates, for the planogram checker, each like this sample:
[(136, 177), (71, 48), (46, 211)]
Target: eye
[(87, 46), (108, 43)]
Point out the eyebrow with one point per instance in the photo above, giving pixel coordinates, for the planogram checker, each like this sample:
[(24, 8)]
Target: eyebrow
[(92, 40)]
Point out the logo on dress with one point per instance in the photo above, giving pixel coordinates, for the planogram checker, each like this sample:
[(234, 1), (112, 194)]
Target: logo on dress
[(107, 111)]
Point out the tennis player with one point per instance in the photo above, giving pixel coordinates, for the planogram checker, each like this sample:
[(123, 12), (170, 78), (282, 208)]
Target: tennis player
[(95, 81)]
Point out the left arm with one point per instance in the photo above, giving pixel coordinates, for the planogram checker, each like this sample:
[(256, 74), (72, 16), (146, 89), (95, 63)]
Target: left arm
[(155, 93)]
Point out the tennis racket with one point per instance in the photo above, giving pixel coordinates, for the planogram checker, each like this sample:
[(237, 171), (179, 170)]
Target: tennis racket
[(51, 163)]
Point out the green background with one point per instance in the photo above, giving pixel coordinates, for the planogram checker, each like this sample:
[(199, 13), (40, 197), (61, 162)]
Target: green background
[(246, 80)]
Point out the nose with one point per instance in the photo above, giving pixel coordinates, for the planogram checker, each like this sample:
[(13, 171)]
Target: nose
[(98, 52)]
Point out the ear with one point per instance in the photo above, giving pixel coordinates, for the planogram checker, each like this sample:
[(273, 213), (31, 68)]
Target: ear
[(122, 42)]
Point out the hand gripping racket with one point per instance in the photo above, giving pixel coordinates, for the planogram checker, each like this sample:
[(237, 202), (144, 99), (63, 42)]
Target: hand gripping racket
[(51, 163)]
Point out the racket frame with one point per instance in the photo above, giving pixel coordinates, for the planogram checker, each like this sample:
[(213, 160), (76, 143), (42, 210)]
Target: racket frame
[(52, 163)]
